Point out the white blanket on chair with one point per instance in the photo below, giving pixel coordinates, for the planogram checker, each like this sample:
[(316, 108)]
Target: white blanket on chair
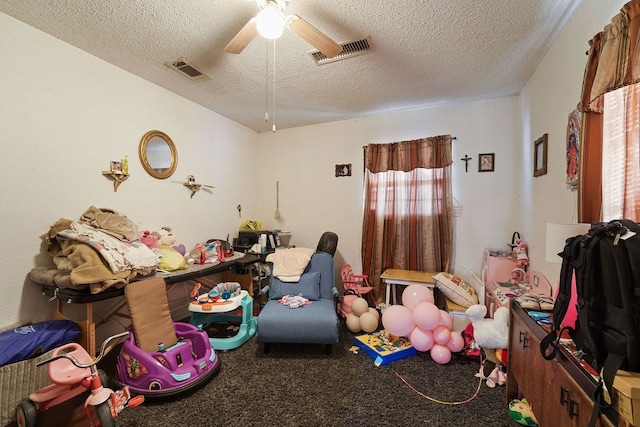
[(289, 264)]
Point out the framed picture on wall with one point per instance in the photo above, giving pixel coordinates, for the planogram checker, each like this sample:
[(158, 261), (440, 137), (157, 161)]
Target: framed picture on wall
[(486, 162), (116, 167), (343, 170), (540, 156), (573, 147)]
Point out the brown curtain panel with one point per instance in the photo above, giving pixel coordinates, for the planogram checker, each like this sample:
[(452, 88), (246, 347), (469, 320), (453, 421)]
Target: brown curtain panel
[(408, 220), (590, 182)]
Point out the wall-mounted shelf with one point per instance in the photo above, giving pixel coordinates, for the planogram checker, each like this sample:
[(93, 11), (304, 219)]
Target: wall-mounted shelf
[(117, 178), (193, 187)]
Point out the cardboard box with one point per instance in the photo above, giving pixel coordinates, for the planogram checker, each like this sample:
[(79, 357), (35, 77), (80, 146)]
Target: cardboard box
[(626, 396), (458, 315)]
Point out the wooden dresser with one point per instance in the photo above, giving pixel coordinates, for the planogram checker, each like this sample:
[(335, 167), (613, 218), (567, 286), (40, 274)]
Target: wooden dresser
[(558, 390)]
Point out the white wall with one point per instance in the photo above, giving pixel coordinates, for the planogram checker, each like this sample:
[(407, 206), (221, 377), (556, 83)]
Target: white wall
[(546, 102), (65, 115), (313, 200)]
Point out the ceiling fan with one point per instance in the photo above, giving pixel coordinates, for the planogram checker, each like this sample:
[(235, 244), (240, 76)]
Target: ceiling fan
[(270, 23)]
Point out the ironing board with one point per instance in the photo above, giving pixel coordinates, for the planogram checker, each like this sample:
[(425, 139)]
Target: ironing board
[(207, 313)]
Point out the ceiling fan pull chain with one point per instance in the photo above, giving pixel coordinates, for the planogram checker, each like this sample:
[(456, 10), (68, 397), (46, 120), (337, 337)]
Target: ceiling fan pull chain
[(266, 85), (273, 128)]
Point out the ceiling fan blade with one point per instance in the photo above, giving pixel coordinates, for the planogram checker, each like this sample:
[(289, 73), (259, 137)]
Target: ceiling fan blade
[(313, 36), (243, 38)]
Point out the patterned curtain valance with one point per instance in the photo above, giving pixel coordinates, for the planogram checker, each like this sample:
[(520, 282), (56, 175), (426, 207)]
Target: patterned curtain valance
[(614, 58), (428, 153)]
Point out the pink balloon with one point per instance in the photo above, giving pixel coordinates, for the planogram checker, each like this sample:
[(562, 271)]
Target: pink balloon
[(456, 343), (397, 320), (426, 316), (440, 354), (421, 341), (446, 319), (415, 294), (441, 334)]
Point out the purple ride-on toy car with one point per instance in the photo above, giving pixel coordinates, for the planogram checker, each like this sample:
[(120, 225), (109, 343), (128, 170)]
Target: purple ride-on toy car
[(162, 358), (168, 372)]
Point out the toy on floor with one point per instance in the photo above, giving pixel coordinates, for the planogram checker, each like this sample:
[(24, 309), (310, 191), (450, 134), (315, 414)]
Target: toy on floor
[(492, 335), (73, 372), (220, 305), (492, 368), (521, 412), (427, 327), (489, 333), (361, 317), (162, 358)]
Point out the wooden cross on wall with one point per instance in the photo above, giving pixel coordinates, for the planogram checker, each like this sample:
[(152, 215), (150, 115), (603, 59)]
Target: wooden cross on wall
[(466, 159)]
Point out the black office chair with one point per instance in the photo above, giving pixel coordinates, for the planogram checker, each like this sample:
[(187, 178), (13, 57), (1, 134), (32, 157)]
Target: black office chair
[(328, 243)]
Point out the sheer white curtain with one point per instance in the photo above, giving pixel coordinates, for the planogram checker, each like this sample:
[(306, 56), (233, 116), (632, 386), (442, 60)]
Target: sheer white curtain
[(621, 154)]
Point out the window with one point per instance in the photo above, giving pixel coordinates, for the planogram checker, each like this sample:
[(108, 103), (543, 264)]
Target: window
[(621, 154), (403, 193), (407, 219)]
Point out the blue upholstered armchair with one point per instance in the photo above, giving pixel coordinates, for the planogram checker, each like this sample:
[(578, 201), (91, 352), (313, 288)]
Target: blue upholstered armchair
[(315, 323)]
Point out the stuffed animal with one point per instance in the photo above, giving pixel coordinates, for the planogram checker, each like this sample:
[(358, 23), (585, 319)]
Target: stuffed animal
[(491, 335), (148, 239), (521, 412), (487, 332), (165, 236), (522, 261)]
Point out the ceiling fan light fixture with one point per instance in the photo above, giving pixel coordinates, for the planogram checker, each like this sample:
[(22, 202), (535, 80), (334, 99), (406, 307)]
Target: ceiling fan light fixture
[(270, 22)]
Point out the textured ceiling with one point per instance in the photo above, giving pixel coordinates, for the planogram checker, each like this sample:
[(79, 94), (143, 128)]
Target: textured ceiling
[(425, 52)]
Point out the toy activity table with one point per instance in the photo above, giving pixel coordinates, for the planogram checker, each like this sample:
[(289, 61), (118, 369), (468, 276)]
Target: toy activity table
[(207, 313), (392, 277)]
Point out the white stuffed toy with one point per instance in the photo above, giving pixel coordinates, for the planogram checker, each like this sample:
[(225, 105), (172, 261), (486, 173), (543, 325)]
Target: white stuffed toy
[(487, 332), (492, 335), (165, 236)]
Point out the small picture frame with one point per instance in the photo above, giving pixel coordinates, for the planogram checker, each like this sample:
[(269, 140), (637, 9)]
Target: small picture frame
[(486, 162), (191, 179), (116, 167), (540, 156), (343, 170)]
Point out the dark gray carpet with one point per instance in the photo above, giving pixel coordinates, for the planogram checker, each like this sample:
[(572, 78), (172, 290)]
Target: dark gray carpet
[(298, 385)]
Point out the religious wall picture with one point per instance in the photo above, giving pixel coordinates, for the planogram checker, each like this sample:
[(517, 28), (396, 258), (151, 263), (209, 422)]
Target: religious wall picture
[(486, 162), (574, 125), (343, 170), (540, 156)]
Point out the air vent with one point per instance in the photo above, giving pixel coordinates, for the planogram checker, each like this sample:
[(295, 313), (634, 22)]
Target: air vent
[(187, 69), (349, 49)]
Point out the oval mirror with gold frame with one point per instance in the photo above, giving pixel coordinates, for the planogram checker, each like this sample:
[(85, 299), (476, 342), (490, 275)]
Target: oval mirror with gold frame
[(158, 154)]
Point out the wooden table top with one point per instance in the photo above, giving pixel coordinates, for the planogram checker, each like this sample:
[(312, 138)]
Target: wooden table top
[(408, 275)]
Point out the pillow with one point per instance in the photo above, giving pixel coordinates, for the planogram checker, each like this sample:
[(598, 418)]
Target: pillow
[(456, 289), (170, 259), (308, 286)]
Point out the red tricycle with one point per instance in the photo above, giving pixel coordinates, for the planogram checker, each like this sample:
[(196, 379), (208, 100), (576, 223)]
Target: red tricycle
[(72, 372)]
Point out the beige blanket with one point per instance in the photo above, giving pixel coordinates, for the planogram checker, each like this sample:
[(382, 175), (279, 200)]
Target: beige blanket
[(80, 266), (289, 264), (111, 222)]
